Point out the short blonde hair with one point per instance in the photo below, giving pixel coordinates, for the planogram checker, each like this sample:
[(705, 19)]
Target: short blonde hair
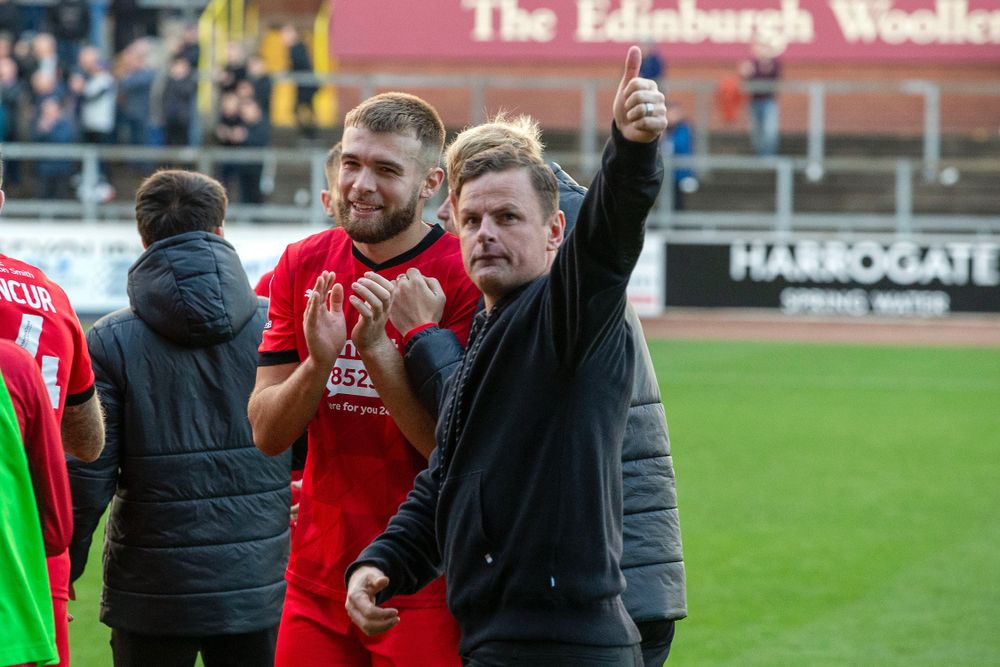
[(520, 133), (399, 113), (505, 158)]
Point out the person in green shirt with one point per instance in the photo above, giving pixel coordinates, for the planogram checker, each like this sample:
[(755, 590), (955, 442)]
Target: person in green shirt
[(35, 509)]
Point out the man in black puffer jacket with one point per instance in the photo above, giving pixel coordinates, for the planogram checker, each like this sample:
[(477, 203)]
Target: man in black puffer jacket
[(652, 559), (197, 537)]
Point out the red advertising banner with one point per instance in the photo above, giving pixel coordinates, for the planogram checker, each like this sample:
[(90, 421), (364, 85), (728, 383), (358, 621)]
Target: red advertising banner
[(808, 30)]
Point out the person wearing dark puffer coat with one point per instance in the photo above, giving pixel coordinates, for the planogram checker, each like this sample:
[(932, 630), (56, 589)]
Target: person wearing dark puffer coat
[(652, 558), (197, 536)]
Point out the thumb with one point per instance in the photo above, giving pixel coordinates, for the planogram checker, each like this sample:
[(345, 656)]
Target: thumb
[(632, 62), (337, 298), (435, 286), (376, 584)]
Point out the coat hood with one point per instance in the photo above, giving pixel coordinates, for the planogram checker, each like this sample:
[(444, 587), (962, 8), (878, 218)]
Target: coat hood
[(571, 195), (192, 289)]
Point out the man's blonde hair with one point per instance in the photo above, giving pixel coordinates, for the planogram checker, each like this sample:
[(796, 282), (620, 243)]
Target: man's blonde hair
[(520, 133), (505, 158), (400, 113)]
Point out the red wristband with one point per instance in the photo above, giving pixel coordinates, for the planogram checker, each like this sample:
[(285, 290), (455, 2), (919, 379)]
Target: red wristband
[(417, 329)]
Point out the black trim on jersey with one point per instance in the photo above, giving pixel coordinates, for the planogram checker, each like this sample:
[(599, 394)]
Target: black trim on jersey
[(81, 398), (278, 358), (433, 235)]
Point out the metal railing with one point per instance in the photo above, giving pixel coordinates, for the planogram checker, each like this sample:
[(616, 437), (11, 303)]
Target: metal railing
[(783, 220), (786, 221), (88, 208), (929, 93)]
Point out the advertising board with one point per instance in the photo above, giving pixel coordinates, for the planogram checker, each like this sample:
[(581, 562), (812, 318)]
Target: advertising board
[(837, 277), (809, 30), (91, 262)]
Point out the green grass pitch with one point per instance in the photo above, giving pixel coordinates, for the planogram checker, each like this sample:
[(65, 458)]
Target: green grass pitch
[(837, 504)]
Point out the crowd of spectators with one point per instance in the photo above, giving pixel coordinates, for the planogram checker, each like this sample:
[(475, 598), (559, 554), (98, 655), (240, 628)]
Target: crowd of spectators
[(59, 83)]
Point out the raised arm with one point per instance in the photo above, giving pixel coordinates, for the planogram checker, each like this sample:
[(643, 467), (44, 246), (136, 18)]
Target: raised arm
[(615, 207), (593, 266), (285, 396)]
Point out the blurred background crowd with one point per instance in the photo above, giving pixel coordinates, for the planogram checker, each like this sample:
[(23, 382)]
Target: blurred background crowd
[(70, 74), (253, 91)]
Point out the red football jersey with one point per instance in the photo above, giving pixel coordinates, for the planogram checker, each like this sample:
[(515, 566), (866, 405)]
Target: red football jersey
[(263, 286), (360, 467), (36, 314), (42, 444)]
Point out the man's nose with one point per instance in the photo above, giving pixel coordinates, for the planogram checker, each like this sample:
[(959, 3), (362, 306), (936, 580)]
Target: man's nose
[(487, 229), (365, 180)]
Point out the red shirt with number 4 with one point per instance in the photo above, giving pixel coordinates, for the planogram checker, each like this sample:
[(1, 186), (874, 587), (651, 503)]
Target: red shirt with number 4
[(360, 467), (36, 314)]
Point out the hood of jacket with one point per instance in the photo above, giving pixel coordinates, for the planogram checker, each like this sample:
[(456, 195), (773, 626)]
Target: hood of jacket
[(571, 195), (192, 289)]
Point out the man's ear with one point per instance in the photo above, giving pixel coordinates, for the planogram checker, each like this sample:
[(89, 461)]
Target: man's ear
[(219, 232), (454, 209), (3, 198), (433, 181), (556, 229)]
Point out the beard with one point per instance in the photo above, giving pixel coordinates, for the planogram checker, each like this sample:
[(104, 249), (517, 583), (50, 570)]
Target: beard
[(391, 223)]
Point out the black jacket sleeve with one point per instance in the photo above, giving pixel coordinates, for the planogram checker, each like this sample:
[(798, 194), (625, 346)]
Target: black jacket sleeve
[(432, 357), (592, 268), (407, 552)]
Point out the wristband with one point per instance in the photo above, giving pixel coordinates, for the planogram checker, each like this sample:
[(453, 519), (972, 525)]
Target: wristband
[(417, 329)]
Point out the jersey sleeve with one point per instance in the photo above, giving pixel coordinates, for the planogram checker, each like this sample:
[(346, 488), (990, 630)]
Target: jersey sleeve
[(263, 286), (81, 378), (278, 344)]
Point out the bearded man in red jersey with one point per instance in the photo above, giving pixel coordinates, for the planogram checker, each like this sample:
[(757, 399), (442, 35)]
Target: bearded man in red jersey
[(362, 461)]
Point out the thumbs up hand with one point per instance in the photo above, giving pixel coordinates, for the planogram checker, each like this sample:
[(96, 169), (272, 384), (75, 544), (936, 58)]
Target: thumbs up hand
[(640, 110)]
